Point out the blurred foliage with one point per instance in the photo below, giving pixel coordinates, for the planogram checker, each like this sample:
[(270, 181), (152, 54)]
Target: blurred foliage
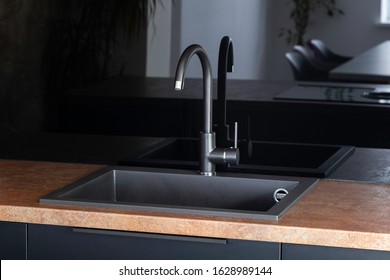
[(21, 35), (83, 37), (301, 15)]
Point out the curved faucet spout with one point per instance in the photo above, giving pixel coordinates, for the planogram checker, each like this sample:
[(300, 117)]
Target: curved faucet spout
[(225, 64), (207, 81)]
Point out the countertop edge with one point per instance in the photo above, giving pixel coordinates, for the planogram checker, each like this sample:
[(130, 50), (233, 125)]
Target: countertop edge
[(196, 226)]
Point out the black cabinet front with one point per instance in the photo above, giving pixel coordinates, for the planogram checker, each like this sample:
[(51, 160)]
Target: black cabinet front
[(54, 242), (305, 252), (12, 241)]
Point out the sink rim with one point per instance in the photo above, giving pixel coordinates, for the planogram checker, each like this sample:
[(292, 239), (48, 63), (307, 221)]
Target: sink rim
[(274, 213)]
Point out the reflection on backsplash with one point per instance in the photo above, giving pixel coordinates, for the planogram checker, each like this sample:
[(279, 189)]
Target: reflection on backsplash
[(340, 94), (382, 96), (21, 48), (53, 46)]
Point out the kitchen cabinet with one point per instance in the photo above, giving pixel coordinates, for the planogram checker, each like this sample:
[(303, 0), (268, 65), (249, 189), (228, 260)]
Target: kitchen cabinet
[(12, 241), (19, 240), (57, 242), (306, 252)]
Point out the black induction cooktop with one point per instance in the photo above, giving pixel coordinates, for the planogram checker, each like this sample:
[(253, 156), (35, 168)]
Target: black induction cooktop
[(336, 94)]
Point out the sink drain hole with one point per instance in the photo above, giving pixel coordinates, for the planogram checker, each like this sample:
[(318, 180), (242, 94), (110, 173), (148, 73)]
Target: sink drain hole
[(279, 194)]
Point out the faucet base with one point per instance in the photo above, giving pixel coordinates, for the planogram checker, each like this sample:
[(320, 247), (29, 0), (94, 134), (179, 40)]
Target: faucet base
[(210, 155), (207, 173), (207, 145)]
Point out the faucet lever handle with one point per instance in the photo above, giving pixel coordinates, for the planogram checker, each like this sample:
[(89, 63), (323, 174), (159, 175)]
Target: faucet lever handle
[(235, 134)]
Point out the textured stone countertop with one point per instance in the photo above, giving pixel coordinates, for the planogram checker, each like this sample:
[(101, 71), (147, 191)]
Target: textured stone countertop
[(333, 213)]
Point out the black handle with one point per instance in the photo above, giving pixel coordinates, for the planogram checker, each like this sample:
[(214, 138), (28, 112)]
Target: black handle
[(152, 235)]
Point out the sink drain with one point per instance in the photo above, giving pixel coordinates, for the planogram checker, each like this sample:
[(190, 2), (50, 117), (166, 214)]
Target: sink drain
[(279, 194)]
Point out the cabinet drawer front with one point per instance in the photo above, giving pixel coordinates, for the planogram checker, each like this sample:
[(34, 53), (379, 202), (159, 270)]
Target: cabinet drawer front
[(12, 241), (54, 242), (305, 252)]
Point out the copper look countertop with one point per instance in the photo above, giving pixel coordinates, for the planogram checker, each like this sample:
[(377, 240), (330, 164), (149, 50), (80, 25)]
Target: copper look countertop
[(334, 213)]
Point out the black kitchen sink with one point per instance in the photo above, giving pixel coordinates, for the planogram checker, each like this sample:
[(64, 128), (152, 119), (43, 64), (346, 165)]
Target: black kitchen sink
[(258, 157), (184, 192)]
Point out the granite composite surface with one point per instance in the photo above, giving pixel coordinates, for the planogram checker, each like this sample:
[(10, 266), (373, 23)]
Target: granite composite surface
[(333, 213)]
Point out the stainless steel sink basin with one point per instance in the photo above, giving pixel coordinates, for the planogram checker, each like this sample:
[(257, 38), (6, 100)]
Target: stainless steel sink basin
[(311, 160), (184, 191)]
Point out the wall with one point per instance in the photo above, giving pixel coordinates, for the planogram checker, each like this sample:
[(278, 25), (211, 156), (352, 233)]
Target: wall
[(205, 22), (158, 58)]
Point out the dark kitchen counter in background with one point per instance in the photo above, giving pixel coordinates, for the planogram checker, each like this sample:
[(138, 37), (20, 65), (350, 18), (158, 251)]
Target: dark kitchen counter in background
[(150, 107), (123, 88)]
